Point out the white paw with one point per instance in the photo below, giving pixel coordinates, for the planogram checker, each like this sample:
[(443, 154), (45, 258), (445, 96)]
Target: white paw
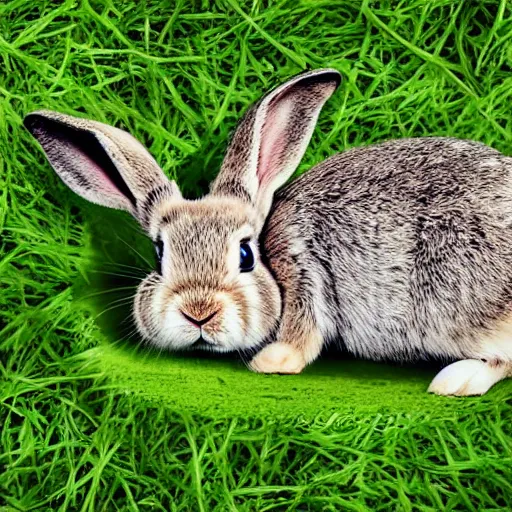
[(278, 358), (466, 378)]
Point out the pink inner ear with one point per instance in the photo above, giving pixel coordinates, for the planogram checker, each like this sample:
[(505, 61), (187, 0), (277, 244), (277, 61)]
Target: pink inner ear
[(274, 140), (101, 179), (85, 173)]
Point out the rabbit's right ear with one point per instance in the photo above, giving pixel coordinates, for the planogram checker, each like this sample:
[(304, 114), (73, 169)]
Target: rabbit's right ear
[(103, 164), (271, 139)]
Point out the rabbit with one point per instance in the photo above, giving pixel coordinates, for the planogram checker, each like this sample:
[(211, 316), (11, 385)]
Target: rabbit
[(400, 250)]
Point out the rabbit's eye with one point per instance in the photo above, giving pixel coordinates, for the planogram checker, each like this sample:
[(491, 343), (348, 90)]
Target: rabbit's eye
[(246, 257), (159, 248)]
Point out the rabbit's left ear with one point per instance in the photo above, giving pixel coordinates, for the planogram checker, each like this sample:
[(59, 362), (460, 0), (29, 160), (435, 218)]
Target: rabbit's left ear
[(103, 164), (271, 139)]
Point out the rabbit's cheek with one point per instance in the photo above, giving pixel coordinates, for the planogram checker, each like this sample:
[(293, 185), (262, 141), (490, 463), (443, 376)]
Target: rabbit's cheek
[(143, 307), (163, 320), (176, 332), (228, 329)]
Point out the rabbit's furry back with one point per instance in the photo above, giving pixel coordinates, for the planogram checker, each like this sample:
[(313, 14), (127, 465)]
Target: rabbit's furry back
[(403, 248)]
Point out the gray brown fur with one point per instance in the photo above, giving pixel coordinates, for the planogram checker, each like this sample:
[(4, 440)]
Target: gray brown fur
[(412, 243), (400, 250)]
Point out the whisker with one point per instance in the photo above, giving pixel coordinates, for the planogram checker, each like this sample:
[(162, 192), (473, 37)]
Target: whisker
[(121, 303), (135, 251), (116, 264), (104, 263), (131, 334), (110, 290), (117, 274)]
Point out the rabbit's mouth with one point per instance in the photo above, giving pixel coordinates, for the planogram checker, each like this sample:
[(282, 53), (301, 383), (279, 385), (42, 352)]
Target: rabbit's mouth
[(209, 346), (202, 344)]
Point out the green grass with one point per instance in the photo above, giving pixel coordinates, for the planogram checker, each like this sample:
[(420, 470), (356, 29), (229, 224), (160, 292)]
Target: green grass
[(90, 423)]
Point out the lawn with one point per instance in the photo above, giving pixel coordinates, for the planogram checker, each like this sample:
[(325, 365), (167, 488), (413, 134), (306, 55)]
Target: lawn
[(91, 420)]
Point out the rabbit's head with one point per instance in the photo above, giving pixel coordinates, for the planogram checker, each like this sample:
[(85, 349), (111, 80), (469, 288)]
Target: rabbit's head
[(211, 289)]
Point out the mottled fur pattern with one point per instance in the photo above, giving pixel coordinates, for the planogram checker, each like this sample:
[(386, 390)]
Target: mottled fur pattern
[(405, 246), (400, 250)]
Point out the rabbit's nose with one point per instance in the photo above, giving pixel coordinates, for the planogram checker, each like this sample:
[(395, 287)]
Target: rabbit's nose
[(196, 321)]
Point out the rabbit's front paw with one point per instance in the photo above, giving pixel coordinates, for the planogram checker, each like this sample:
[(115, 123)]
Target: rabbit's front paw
[(278, 357)]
